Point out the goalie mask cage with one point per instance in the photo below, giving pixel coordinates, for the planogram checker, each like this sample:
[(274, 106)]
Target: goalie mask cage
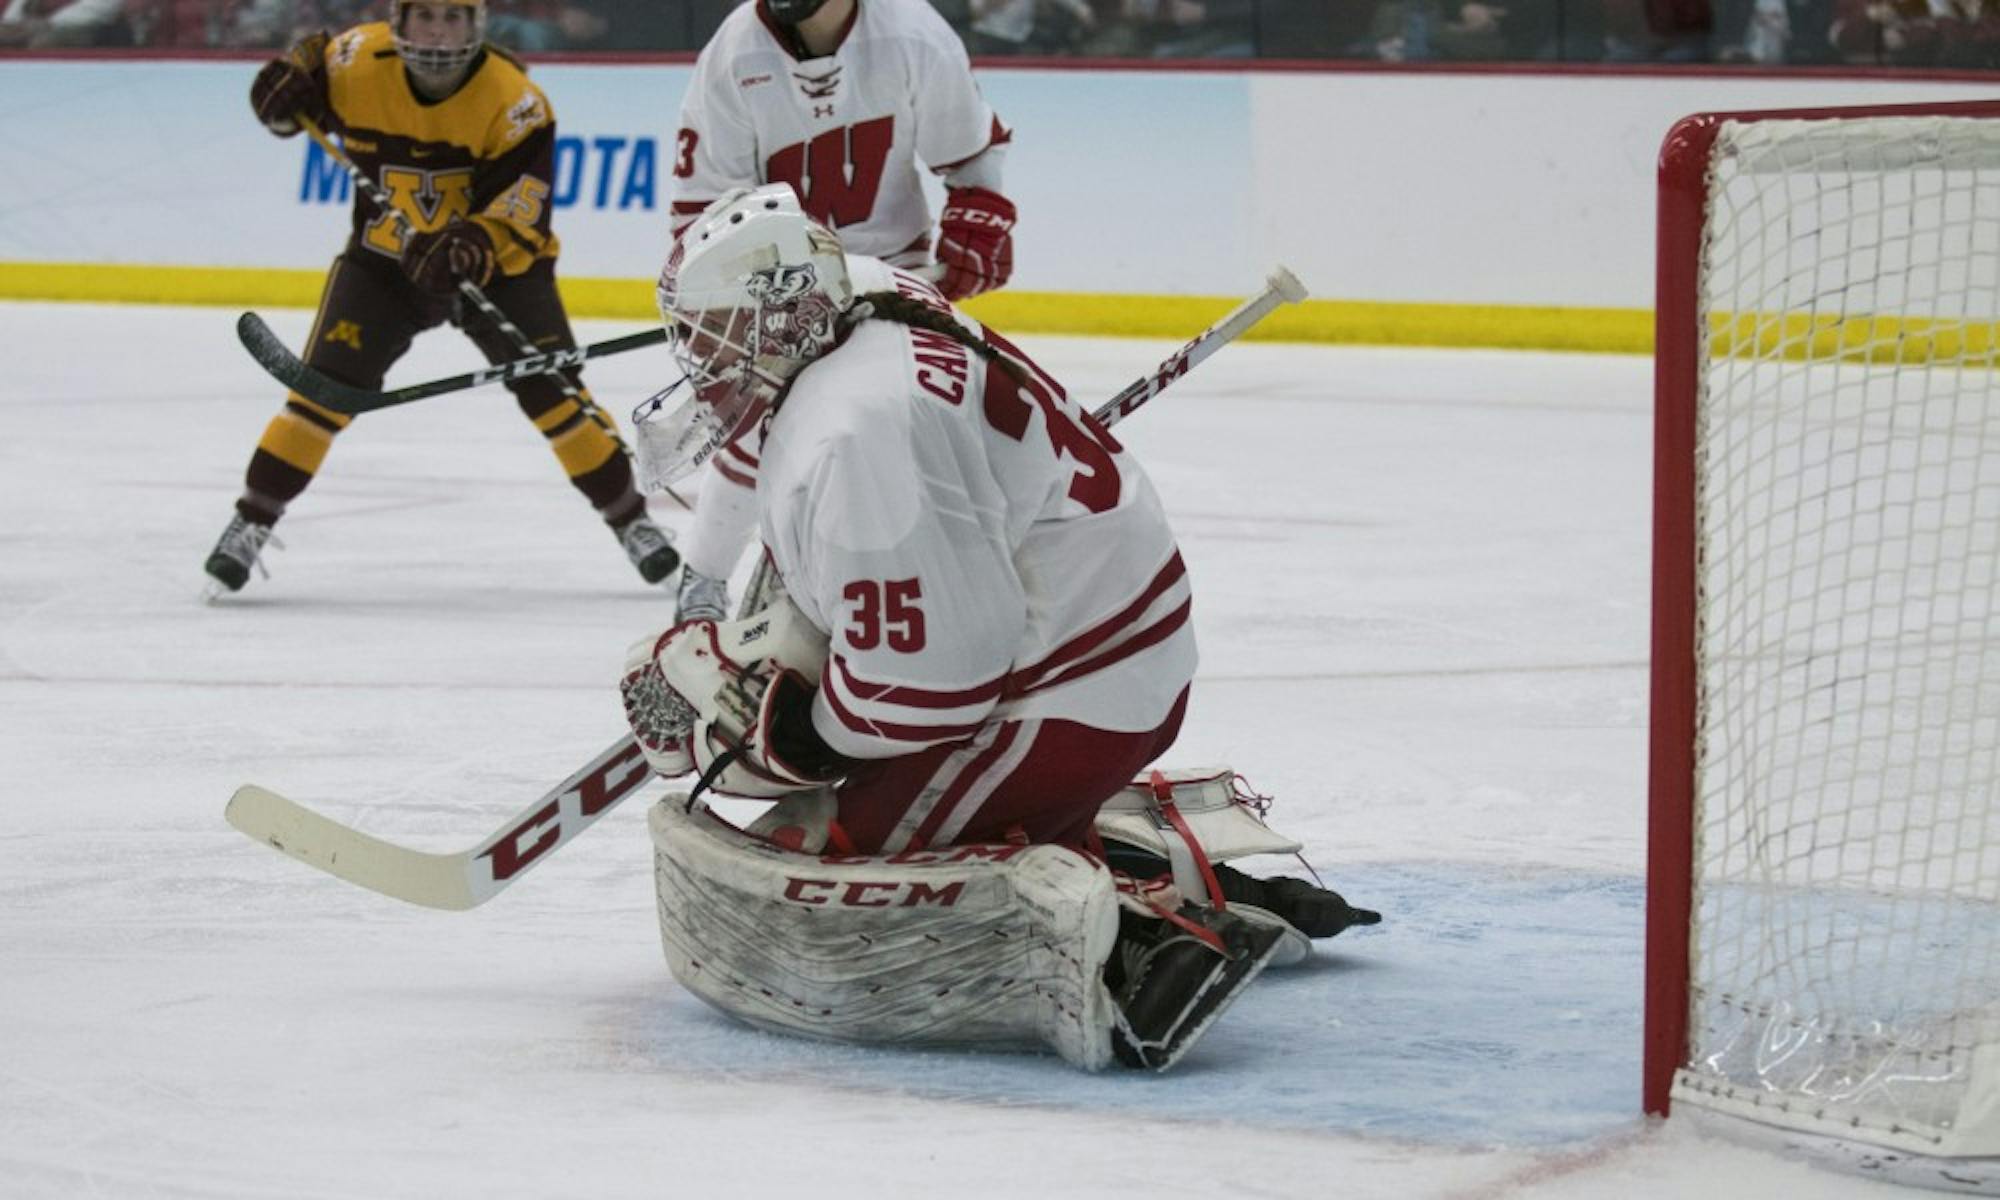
[(1823, 917)]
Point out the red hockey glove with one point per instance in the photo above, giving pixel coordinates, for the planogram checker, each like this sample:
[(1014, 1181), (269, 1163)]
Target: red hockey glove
[(975, 242), (438, 261), (283, 92)]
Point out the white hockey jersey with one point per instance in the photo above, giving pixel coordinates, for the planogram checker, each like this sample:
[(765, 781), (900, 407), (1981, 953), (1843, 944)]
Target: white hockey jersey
[(972, 546), (846, 131)]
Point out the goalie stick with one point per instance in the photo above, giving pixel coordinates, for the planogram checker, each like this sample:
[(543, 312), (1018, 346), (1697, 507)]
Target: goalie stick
[(463, 880), (295, 373)]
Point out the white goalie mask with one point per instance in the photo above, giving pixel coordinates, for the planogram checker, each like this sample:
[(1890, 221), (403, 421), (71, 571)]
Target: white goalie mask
[(752, 293)]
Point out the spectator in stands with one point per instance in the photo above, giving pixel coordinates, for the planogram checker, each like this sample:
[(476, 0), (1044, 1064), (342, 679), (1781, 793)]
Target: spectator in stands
[(1311, 28), (1466, 31), (533, 26), (1917, 33), (44, 24), (1195, 28), (1028, 26)]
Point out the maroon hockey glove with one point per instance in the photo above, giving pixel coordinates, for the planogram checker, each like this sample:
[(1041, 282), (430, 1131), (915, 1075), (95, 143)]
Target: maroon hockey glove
[(283, 92), (975, 242), (438, 261)]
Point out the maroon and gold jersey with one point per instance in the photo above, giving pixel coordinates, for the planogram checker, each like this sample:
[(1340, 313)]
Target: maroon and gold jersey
[(485, 152)]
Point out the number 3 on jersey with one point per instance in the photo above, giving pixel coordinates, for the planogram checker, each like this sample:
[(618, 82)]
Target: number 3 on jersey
[(885, 611), (1073, 434)]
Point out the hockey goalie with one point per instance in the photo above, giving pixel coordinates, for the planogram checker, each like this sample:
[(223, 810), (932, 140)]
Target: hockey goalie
[(981, 638)]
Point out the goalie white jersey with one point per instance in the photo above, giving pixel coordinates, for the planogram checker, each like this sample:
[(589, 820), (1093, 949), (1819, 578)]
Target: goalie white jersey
[(846, 131), (974, 546)]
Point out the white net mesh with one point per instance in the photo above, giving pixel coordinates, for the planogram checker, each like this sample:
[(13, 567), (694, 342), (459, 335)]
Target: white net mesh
[(1847, 906)]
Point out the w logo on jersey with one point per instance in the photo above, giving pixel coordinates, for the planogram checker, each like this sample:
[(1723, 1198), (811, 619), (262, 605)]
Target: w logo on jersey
[(837, 174)]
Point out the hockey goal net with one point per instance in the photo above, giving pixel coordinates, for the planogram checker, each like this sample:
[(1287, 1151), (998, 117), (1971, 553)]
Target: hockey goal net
[(1823, 926)]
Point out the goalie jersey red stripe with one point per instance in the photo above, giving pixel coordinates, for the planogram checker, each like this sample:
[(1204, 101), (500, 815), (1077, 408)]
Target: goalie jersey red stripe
[(975, 548)]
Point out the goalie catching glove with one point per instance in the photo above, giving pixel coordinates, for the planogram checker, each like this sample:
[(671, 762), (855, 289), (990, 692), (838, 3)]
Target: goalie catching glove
[(732, 700), (975, 242)]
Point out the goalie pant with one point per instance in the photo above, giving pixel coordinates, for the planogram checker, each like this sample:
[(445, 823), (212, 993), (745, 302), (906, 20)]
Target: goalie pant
[(971, 945)]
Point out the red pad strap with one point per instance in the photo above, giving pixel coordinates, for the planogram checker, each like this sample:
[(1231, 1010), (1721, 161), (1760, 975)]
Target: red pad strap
[(1163, 795)]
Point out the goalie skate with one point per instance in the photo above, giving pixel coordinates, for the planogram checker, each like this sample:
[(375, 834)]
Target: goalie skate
[(1179, 974)]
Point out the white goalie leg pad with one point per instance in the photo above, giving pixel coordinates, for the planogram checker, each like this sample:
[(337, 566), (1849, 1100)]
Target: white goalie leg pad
[(996, 945), (1195, 816)]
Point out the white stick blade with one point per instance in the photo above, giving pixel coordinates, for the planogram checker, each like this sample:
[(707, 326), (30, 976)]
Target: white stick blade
[(432, 880)]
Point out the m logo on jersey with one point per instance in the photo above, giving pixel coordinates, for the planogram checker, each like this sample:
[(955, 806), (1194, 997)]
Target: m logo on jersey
[(427, 198), (838, 173), (345, 331)]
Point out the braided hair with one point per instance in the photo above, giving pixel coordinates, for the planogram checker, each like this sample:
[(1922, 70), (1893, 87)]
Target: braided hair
[(894, 306)]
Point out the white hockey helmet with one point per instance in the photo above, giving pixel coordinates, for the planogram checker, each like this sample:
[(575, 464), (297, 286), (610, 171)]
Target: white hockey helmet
[(752, 292), (438, 62)]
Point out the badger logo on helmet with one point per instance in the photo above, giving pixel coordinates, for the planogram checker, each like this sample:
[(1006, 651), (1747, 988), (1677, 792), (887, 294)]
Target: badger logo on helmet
[(751, 294)]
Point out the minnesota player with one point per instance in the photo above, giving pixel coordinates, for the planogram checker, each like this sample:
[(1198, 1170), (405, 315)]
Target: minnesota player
[(454, 131), (985, 636), (842, 99)]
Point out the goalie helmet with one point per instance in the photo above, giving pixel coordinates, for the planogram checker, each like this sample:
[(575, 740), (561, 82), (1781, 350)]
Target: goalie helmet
[(438, 61), (753, 291)]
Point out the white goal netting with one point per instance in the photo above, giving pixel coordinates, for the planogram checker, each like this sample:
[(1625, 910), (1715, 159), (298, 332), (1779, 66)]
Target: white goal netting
[(1846, 943)]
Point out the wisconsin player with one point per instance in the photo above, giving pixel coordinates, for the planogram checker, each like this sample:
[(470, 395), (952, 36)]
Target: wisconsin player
[(452, 129), (985, 635), (843, 100)]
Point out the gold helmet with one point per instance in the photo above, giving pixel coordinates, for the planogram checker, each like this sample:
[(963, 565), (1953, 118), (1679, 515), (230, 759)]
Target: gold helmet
[(438, 61)]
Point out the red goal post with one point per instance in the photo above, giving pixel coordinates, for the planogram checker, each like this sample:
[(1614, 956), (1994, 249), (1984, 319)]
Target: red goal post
[(1823, 915)]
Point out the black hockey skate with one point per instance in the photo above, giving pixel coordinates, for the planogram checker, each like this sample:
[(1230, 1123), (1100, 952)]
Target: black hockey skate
[(649, 548), (1171, 983), (1315, 911), (236, 552)]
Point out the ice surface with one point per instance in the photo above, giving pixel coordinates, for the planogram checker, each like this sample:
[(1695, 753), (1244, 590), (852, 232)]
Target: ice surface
[(1421, 592)]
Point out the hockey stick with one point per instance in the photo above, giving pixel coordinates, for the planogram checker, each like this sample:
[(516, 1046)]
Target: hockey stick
[(1280, 287), (472, 877), (289, 369), (451, 881), (293, 372)]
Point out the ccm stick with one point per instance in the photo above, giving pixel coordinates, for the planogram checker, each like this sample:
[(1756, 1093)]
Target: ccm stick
[(295, 373), (289, 369), (472, 877)]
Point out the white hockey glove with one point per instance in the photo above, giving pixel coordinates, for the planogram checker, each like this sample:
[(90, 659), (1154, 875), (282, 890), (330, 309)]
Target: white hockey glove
[(708, 691)]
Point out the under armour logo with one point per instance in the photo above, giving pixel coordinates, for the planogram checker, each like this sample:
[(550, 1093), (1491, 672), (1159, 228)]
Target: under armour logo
[(822, 110)]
